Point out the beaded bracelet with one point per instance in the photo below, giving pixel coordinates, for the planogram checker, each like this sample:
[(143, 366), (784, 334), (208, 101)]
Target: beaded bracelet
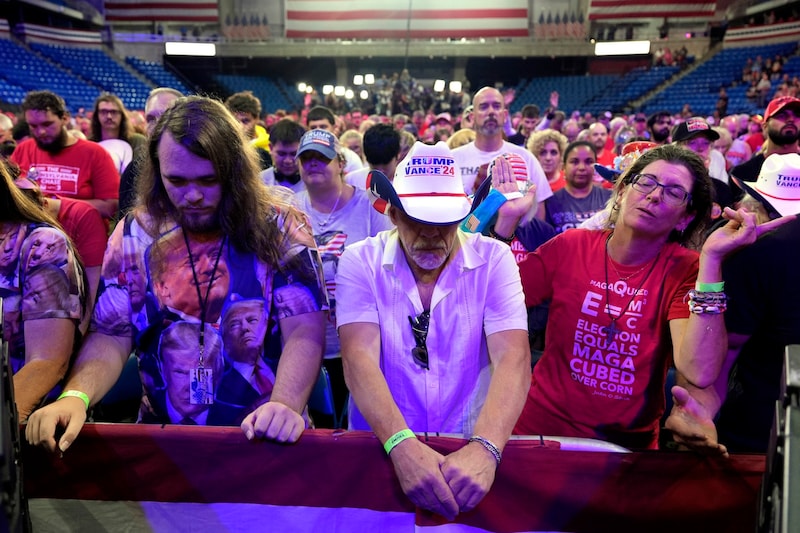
[(703, 309), (489, 445), (711, 303), (707, 297), (397, 438), (493, 234)]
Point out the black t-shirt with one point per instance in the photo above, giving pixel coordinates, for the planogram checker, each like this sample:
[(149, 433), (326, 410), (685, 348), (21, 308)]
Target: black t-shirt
[(763, 302), (747, 171)]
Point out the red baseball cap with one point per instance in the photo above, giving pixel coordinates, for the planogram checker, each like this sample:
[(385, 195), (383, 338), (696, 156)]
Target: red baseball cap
[(779, 103)]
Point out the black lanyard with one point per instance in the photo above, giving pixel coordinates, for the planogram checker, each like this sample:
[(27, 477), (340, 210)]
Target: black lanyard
[(203, 302)]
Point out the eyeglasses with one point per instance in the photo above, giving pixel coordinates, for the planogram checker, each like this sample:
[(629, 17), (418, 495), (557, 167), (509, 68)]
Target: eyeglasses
[(419, 326), (112, 112), (673, 194)]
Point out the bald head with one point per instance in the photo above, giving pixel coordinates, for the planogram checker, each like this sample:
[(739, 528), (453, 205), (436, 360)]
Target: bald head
[(6, 126), (486, 91), (489, 113), (598, 135), (731, 123), (157, 102)]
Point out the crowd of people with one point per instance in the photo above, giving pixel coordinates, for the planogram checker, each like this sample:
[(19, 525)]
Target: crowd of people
[(396, 94), (458, 271)]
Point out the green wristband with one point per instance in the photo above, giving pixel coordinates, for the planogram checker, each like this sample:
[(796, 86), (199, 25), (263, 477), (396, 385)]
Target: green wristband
[(76, 394), (397, 438), (718, 286)]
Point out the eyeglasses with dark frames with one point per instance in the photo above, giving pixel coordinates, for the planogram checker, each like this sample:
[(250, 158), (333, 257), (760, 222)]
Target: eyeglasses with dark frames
[(419, 327), (673, 194)]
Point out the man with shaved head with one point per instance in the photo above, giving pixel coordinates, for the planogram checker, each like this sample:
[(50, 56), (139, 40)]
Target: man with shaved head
[(489, 116)]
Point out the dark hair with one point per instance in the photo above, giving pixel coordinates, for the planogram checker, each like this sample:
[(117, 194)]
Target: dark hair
[(577, 144), (701, 194), (244, 102), (125, 128), (45, 101), (321, 113), (657, 115), (530, 111), (381, 144), (7, 148), (21, 129), (286, 131), (247, 211)]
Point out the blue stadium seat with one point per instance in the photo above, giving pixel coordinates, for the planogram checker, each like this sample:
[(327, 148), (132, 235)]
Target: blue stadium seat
[(100, 68), (264, 89)]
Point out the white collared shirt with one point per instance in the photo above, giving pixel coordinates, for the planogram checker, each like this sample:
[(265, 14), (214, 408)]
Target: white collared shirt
[(477, 294)]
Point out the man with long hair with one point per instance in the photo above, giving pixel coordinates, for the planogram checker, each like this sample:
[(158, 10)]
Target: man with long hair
[(205, 217), (110, 121)]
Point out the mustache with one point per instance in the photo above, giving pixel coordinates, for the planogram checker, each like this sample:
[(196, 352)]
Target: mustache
[(427, 245)]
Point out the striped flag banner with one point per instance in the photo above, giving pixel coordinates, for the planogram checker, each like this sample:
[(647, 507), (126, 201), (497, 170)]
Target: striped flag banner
[(173, 11), (127, 477), (609, 10), (758, 35), (400, 19), (47, 34)]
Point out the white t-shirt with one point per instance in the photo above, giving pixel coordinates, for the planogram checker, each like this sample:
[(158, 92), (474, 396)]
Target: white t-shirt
[(470, 159), (716, 166), (358, 178), (352, 161)]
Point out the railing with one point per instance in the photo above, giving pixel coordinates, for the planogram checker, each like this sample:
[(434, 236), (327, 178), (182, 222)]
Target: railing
[(175, 478)]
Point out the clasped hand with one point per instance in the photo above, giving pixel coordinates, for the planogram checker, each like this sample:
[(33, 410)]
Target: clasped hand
[(446, 485)]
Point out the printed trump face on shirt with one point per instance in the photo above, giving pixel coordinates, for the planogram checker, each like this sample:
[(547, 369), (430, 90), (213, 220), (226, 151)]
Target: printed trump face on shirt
[(174, 283)]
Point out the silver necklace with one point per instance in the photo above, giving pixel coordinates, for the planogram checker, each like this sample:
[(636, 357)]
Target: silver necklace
[(621, 277), (612, 329), (323, 223)]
